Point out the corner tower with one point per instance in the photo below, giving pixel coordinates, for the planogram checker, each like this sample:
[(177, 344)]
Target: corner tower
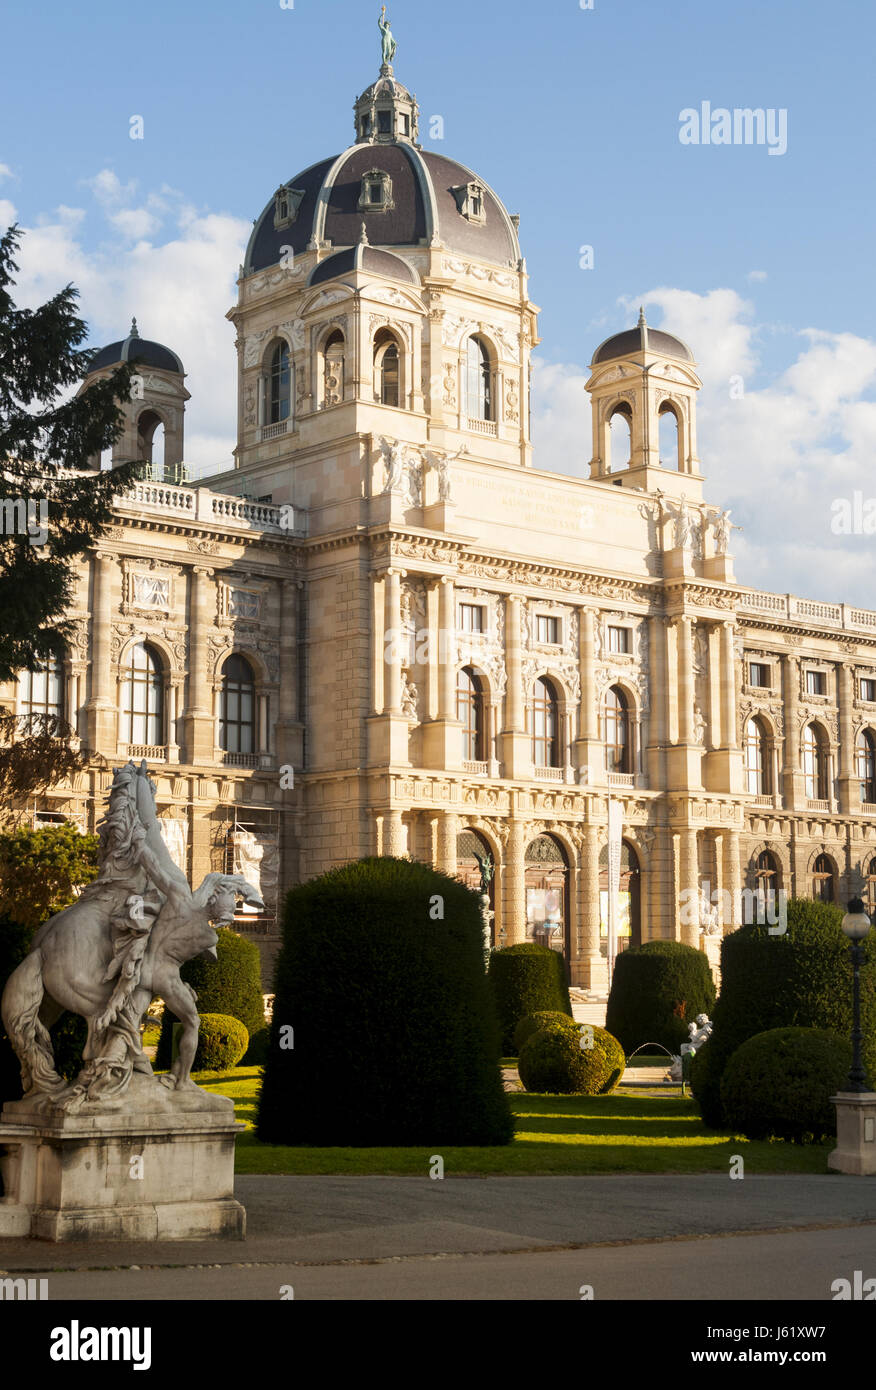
[(158, 399)]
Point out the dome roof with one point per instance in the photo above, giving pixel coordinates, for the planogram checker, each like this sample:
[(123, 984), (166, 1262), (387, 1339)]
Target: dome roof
[(425, 194), (150, 354), (364, 257), (641, 339)]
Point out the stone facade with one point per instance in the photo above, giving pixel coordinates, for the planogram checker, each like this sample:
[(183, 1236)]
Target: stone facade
[(403, 536)]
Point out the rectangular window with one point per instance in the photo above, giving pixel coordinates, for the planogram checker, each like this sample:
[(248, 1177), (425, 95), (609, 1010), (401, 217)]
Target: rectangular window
[(816, 683), (620, 640), (384, 126), (547, 630), (471, 617), (759, 674), (868, 691)]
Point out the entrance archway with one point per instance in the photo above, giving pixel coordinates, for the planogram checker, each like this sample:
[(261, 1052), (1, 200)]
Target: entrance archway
[(629, 926), (547, 895), (468, 844)]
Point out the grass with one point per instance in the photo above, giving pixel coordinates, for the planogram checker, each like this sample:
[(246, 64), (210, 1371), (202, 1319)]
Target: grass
[(633, 1132)]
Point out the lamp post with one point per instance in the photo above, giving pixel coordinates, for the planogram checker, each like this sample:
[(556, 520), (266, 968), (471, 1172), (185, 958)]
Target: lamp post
[(856, 925)]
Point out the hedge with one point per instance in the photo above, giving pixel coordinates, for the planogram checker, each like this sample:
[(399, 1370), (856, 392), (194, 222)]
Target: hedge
[(222, 1041), (657, 989), (384, 1029), (557, 1060), (535, 1023), (778, 1084), (231, 984), (801, 979), (527, 979)]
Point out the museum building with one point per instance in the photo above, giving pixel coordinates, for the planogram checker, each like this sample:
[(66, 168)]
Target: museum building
[(383, 630)]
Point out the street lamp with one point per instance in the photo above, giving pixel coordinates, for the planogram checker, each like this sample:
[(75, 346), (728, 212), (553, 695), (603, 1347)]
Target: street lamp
[(856, 925)]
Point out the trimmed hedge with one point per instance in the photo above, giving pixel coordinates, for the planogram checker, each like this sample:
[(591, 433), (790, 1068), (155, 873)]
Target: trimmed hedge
[(381, 992), (222, 1041), (527, 979), (535, 1023), (554, 1061), (657, 989), (778, 1084), (801, 979), (231, 984)]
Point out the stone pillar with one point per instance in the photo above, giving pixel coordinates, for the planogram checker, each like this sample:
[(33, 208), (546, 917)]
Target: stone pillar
[(588, 752), (733, 880), (849, 798), (515, 884), (592, 968), (394, 833), (728, 687), (448, 829), (101, 714), (392, 641), (446, 649), (442, 738), (198, 722), (793, 773), (689, 887), (377, 646), (289, 732), (515, 743), (685, 633)]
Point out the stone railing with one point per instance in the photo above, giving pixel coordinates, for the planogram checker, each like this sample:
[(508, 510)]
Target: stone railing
[(809, 611), (212, 508)]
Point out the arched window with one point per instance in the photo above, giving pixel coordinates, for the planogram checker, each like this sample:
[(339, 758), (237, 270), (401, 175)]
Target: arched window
[(478, 381), (865, 758), (279, 385), (150, 442), (616, 715), (822, 879), (470, 713), (545, 725), (620, 437), (670, 437), (815, 763), (333, 374), (387, 369), (237, 715), (143, 698), (766, 883), (40, 694), (757, 761)]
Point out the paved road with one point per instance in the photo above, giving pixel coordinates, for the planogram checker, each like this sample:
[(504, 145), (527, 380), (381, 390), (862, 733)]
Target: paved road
[(525, 1238)]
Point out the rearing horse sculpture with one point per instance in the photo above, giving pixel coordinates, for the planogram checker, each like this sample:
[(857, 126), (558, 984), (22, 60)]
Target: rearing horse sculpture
[(111, 952)]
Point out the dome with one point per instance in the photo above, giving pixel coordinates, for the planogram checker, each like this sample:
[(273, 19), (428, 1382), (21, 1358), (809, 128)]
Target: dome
[(149, 354), (641, 339), (364, 257)]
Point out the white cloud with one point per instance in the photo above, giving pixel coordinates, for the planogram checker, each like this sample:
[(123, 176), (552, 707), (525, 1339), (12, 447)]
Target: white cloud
[(8, 212), (5, 172), (756, 275), (778, 456)]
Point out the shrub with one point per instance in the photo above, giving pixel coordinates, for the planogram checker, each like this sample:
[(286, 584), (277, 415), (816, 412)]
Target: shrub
[(656, 991), (802, 978), (41, 871), (527, 979), (778, 1084), (231, 984), (534, 1023), (553, 1060), (381, 981), (222, 1041)]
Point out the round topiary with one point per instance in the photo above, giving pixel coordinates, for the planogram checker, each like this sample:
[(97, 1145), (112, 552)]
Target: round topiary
[(801, 977), (535, 1023), (384, 1029), (231, 984), (657, 989), (558, 1060), (527, 979), (778, 1084), (222, 1041)]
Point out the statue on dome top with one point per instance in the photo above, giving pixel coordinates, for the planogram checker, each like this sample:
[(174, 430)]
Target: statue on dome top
[(389, 43)]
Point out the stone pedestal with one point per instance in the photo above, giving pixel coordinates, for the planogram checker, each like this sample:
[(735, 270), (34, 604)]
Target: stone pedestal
[(855, 1150), (161, 1167)]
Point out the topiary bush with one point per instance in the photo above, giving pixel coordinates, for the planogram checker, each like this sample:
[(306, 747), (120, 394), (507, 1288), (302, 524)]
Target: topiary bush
[(384, 1029), (802, 978), (222, 1041), (534, 1023), (657, 989), (231, 984), (553, 1060), (778, 1084), (527, 979)]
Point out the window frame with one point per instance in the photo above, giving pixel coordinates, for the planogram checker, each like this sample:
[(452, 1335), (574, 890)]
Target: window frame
[(544, 719), (146, 679), (470, 711), (237, 688)]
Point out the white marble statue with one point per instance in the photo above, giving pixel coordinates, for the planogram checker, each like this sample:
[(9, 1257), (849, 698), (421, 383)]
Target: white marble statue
[(394, 454), (723, 528), (111, 952)]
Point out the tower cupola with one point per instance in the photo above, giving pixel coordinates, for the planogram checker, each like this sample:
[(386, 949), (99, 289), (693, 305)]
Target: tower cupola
[(386, 112)]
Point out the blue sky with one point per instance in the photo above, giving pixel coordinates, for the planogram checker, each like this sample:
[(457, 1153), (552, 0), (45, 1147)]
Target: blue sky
[(573, 116)]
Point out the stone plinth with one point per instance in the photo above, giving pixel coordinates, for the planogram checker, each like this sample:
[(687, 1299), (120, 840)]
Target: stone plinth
[(855, 1150), (160, 1167)]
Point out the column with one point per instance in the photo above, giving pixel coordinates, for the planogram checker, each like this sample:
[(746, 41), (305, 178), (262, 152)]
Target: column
[(848, 800), (733, 880), (394, 835), (685, 633), (728, 687), (592, 969), (515, 884), (392, 642), (689, 886), (587, 751), (446, 649), (199, 727), (289, 730), (447, 833), (516, 750), (101, 725), (792, 776)]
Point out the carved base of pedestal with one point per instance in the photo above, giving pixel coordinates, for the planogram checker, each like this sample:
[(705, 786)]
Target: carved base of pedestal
[(855, 1151), (162, 1168)]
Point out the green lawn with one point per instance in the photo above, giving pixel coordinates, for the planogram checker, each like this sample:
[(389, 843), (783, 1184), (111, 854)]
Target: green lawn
[(636, 1132)]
